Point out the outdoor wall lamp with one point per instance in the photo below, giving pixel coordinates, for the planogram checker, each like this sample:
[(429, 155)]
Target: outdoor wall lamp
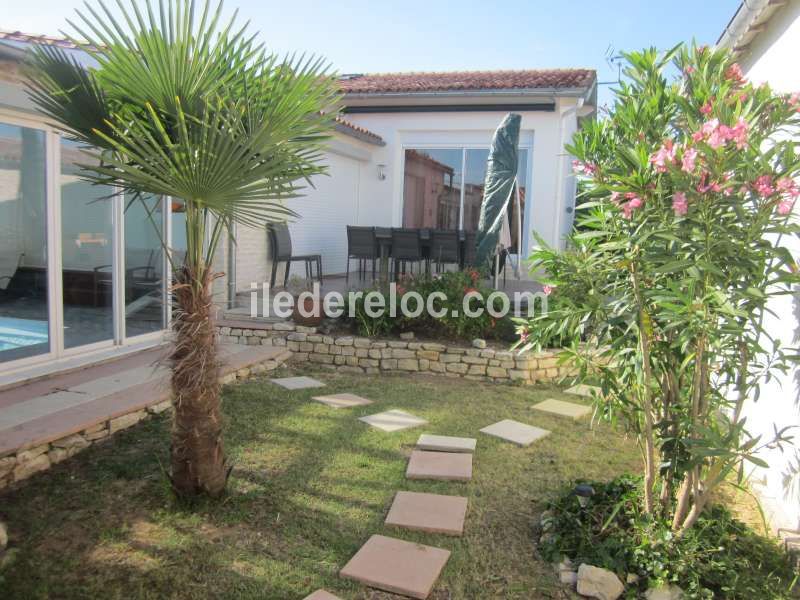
[(381, 171), (583, 491)]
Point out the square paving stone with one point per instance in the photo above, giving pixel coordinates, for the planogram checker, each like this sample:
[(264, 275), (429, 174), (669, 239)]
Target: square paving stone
[(444, 466), (433, 513), (342, 400), (397, 566), (587, 391), (297, 383), (563, 409), (514, 431), (393, 420), (445, 443), (321, 595)]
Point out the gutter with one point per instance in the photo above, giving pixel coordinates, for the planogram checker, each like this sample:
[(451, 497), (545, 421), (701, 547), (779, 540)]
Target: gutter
[(744, 21), (561, 209), (549, 93)]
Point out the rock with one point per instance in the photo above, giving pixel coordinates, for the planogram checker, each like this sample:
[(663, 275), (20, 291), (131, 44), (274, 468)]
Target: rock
[(478, 343), (632, 579), (28, 468), (664, 592), (407, 335), (568, 577), (71, 441), (3, 536), (595, 582)]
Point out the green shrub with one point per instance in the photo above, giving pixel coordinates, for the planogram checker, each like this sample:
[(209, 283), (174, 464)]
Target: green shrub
[(720, 557)]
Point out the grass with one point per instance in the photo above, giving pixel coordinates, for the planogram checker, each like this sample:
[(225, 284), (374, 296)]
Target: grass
[(310, 485)]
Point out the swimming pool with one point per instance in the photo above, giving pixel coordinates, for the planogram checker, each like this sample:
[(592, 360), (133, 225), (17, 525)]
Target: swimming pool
[(17, 333)]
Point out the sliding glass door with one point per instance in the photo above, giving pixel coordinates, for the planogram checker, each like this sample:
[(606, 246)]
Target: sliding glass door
[(443, 189), (87, 253), (24, 281), (81, 267)]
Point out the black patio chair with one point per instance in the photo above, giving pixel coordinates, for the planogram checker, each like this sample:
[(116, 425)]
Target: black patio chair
[(444, 248), (363, 246), (470, 254), (406, 248), (281, 244)]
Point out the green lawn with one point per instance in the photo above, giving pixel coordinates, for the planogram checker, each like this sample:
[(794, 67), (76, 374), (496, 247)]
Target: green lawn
[(310, 485)]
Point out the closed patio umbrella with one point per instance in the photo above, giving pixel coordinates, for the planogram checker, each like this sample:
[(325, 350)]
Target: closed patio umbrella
[(501, 173)]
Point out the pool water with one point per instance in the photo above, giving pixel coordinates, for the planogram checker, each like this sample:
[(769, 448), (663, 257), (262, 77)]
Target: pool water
[(16, 333)]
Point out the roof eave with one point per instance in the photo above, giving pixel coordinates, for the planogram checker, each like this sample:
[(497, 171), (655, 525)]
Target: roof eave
[(477, 94)]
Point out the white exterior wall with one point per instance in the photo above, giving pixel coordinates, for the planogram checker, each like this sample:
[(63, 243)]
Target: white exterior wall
[(772, 58)]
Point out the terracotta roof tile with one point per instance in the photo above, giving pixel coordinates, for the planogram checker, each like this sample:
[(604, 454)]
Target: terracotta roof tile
[(349, 128), (378, 83), (18, 36)]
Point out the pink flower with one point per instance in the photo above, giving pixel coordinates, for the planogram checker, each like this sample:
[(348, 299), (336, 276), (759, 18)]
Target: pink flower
[(794, 99), (548, 289), (706, 108), (717, 138), (738, 133), (743, 97), (633, 203), (615, 197), (763, 185), (785, 207), (689, 158), (788, 187), (709, 127), (584, 168), (679, 204), (734, 73), (689, 70), (664, 155), (697, 136)]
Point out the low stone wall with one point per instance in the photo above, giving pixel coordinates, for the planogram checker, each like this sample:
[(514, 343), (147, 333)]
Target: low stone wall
[(24, 463), (350, 354)]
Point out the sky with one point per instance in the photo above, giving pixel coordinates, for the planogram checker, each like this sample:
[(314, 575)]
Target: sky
[(435, 35)]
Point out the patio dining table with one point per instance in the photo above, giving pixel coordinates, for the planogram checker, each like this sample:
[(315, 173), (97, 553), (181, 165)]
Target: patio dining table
[(383, 235)]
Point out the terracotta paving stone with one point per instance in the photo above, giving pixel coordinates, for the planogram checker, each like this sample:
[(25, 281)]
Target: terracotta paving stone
[(342, 400), (514, 431), (321, 595), (587, 391), (393, 420), (297, 383), (444, 466), (445, 443), (397, 566), (563, 409), (433, 513)]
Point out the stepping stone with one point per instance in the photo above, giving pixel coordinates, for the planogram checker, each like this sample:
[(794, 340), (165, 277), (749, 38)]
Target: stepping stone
[(587, 391), (393, 420), (514, 431), (443, 466), (563, 409), (342, 400), (397, 566), (297, 383), (321, 595), (433, 513), (445, 443)]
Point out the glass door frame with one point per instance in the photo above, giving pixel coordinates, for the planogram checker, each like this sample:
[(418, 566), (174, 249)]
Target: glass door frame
[(464, 148), (55, 291)]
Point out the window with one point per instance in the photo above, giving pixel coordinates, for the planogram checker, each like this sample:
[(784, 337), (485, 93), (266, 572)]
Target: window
[(443, 188)]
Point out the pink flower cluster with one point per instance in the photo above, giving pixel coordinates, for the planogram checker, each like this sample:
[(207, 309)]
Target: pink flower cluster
[(794, 101), (786, 187), (717, 135), (633, 202), (584, 168), (734, 73), (680, 204), (664, 155)]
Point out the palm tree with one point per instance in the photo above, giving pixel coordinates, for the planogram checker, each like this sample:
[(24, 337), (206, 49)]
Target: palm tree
[(184, 105)]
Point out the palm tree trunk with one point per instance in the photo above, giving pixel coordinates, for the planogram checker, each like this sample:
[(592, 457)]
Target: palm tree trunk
[(198, 459)]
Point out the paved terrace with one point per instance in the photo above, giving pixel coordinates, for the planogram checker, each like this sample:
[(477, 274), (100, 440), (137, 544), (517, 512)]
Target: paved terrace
[(47, 420)]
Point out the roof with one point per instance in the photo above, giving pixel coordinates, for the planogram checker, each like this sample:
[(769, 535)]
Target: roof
[(750, 19), (530, 79), (353, 130), (28, 38)]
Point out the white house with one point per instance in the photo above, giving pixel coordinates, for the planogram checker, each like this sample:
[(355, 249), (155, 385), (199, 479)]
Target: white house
[(81, 279), (765, 35)]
